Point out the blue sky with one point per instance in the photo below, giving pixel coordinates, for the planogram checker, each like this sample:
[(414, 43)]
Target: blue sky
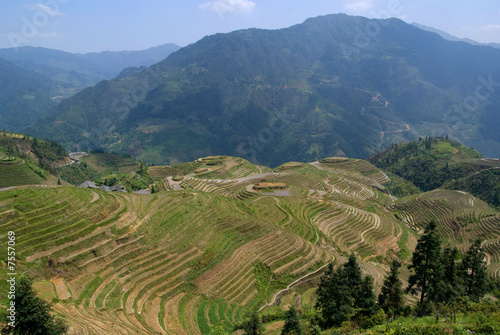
[(97, 25)]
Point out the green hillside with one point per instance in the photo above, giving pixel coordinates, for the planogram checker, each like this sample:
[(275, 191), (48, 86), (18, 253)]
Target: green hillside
[(24, 96), (27, 160), (438, 162), (485, 184), (15, 172), (295, 94), (221, 238)]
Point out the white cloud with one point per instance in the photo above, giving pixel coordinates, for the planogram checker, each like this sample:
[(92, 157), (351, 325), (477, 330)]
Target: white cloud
[(39, 7), (358, 5), (222, 6), (490, 27)]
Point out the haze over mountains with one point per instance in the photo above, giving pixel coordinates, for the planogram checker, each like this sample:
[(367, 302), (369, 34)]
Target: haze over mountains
[(255, 203), (450, 37), (25, 91), (333, 85), (35, 79)]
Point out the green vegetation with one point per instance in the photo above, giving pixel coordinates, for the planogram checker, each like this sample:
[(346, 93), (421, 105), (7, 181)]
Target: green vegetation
[(438, 162), (427, 163), (485, 185), (26, 160), (45, 154), (344, 293), (245, 94), (253, 326), (31, 314), (77, 173), (199, 259), (292, 325), (25, 96), (390, 298), (16, 172), (107, 169), (428, 272)]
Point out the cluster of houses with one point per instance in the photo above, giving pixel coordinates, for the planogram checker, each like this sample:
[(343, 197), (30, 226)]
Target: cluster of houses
[(91, 184), (117, 188)]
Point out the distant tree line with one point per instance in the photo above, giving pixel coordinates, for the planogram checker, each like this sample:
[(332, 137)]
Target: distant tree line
[(43, 152), (417, 162)]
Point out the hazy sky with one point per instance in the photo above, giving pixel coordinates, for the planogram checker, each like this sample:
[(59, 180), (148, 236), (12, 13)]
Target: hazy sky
[(97, 25)]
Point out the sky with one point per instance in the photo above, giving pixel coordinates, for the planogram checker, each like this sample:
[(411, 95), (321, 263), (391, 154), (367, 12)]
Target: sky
[(96, 25)]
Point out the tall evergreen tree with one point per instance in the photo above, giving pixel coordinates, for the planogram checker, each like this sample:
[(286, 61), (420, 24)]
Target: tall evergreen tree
[(334, 297), (33, 313), (474, 272), (428, 271), (344, 292), (390, 298), (253, 326), (292, 322), (218, 329), (365, 301), (451, 278)]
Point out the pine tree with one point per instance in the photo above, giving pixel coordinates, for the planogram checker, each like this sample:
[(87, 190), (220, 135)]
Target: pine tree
[(33, 313), (365, 301), (292, 323), (334, 297), (254, 324), (344, 292), (390, 298), (451, 280), (361, 288), (474, 272), (427, 267)]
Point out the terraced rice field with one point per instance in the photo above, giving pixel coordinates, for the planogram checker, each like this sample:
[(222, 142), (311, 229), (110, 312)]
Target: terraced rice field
[(16, 172), (123, 263), (210, 248), (462, 218)]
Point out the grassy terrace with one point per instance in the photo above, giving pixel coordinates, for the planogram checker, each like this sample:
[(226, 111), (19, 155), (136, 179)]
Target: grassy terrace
[(178, 262), (126, 262), (14, 172), (462, 218)]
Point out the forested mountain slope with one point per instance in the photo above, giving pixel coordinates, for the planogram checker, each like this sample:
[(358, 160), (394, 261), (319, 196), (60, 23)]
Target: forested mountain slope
[(24, 96), (328, 86)]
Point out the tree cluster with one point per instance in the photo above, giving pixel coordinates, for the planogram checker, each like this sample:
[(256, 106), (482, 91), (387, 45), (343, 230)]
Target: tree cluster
[(33, 315), (437, 276), (344, 293), (421, 163)]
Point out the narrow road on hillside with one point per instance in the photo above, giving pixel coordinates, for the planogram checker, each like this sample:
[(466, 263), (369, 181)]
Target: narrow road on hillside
[(382, 133), (276, 295)]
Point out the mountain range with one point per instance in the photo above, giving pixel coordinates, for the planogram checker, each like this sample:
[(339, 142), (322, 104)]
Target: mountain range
[(333, 85), (35, 79), (450, 37), (24, 96)]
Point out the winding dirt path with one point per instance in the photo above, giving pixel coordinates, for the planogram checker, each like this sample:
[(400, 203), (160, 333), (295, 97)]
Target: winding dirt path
[(273, 300)]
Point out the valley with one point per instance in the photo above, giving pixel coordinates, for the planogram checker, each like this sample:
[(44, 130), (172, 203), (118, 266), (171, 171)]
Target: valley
[(272, 177)]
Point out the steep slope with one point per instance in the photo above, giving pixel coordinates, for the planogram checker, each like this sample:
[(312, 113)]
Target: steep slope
[(316, 89), (27, 161), (222, 237), (73, 72), (438, 162), (24, 96)]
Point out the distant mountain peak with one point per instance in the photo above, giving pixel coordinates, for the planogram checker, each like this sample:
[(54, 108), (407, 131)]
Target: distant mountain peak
[(453, 38), (312, 90)]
